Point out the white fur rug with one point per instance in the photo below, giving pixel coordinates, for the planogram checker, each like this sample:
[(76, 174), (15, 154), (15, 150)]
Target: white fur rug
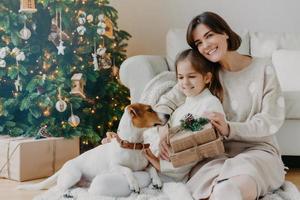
[(171, 191)]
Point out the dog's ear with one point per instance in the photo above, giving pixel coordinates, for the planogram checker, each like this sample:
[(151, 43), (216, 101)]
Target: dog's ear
[(132, 111)]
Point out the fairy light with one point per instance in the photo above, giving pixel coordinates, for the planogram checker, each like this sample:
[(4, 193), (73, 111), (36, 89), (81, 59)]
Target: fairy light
[(93, 111), (31, 71), (99, 127), (97, 97), (74, 68)]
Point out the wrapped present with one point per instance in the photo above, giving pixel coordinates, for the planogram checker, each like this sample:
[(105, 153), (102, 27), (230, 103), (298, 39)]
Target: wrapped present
[(24, 159), (184, 139), (197, 153)]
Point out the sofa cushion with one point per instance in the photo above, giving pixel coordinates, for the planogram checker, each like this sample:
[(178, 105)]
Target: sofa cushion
[(264, 44), (287, 66), (176, 42)]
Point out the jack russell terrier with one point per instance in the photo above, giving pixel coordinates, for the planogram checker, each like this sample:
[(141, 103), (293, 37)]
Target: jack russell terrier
[(122, 154)]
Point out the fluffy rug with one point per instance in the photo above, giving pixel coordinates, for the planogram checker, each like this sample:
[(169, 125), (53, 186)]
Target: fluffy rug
[(170, 191), (159, 85)]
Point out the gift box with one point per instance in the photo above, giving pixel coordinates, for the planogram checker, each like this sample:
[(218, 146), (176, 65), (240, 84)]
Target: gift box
[(24, 159), (184, 139), (197, 153)]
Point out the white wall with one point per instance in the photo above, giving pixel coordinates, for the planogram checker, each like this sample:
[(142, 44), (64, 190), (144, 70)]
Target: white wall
[(149, 20)]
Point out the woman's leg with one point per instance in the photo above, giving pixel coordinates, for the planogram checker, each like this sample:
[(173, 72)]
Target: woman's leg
[(115, 184), (241, 187)]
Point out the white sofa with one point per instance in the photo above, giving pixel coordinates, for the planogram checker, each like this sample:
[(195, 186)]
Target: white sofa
[(284, 48)]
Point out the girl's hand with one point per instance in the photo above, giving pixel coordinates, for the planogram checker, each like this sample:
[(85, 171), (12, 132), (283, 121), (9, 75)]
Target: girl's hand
[(163, 142), (109, 136), (152, 158), (218, 121)]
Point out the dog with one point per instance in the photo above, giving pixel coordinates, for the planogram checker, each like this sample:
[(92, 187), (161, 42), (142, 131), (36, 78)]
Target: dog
[(123, 154)]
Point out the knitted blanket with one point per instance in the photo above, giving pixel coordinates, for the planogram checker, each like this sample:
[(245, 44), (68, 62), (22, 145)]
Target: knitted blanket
[(158, 86)]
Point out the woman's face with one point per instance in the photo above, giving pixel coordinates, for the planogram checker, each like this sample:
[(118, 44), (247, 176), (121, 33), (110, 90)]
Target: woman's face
[(211, 45), (190, 81)]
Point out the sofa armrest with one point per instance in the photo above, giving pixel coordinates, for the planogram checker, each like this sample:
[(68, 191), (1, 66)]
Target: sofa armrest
[(137, 71)]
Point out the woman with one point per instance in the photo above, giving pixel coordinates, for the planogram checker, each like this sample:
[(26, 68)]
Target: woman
[(254, 109)]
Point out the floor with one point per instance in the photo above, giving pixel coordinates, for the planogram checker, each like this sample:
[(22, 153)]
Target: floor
[(8, 188)]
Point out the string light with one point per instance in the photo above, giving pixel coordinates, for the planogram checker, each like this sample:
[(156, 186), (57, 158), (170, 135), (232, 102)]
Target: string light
[(99, 127)]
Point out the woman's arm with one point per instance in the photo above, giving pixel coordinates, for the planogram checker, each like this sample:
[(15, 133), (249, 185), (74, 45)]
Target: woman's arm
[(266, 122)]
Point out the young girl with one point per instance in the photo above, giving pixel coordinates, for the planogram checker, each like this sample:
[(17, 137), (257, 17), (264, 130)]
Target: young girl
[(198, 80)]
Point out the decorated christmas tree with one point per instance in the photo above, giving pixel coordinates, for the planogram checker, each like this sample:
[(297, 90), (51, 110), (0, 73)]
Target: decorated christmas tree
[(59, 62)]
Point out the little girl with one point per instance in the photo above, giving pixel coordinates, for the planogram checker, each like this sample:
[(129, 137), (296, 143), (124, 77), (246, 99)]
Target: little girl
[(198, 80)]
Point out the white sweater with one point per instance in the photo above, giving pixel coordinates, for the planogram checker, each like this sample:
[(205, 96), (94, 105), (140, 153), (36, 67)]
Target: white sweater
[(196, 105)]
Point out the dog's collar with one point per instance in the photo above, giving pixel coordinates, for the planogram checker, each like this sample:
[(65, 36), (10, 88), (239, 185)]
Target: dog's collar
[(129, 145)]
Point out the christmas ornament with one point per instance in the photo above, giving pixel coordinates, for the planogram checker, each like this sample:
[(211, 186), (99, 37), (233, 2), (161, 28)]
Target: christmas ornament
[(43, 133), (15, 51), (18, 85), (4, 51), (25, 33), (54, 35), (95, 59), (90, 18), (81, 20), (81, 30), (60, 105), (81, 14), (27, 6), (101, 51), (105, 62), (20, 56), (2, 63), (105, 26), (61, 48), (189, 122), (73, 120), (77, 85)]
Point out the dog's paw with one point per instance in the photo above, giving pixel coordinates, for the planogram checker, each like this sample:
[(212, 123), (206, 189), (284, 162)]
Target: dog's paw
[(134, 186), (157, 183)]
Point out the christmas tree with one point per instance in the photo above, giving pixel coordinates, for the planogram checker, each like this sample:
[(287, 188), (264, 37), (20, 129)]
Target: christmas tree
[(59, 62)]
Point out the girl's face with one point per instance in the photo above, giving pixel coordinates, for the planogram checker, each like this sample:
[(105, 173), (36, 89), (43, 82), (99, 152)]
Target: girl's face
[(211, 45), (190, 81)]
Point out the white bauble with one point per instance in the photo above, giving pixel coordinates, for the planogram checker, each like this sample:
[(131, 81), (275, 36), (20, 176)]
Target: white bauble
[(81, 20), (61, 105), (101, 51), (2, 63), (81, 30), (15, 51), (100, 31), (25, 33), (90, 18), (101, 17), (4, 51), (20, 56), (74, 120)]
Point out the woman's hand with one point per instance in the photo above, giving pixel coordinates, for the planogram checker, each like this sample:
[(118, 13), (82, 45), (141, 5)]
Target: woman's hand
[(163, 142), (218, 121), (109, 136)]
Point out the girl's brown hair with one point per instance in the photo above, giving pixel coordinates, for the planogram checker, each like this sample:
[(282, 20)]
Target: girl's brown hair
[(203, 66), (218, 25)]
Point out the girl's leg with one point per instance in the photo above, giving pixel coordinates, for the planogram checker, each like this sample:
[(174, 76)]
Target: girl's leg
[(115, 184), (241, 187)]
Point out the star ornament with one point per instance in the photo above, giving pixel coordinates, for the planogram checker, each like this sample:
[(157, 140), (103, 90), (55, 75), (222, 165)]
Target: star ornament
[(61, 48)]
